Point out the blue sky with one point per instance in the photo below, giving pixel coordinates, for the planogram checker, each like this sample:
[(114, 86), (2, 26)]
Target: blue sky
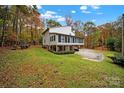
[(98, 14)]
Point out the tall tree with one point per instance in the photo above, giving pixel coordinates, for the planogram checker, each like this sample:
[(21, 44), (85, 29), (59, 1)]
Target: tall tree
[(88, 28), (69, 21), (3, 16), (77, 26), (18, 22)]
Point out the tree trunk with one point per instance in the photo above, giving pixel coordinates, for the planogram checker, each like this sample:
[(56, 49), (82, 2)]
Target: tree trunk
[(31, 34), (17, 12), (13, 29), (20, 27), (3, 30), (35, 32)]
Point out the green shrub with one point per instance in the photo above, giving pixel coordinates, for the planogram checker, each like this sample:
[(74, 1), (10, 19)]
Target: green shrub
[(114, 43), (118, 44), (118, 59), (110, 43)]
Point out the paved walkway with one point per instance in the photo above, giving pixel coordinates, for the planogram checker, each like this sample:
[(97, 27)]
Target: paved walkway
[(90, 55)]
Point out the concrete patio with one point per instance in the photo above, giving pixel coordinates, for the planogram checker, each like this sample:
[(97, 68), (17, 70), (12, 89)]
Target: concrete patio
[(90, 54)]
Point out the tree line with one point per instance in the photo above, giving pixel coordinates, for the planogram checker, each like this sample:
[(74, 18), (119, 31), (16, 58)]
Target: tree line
[(20, 24), (106, 36)]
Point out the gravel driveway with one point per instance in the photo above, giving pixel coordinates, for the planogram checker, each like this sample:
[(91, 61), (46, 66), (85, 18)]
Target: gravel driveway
[(90, 55)]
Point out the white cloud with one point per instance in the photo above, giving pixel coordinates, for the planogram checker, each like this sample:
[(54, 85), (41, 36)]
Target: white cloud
[(50, 12), (83, 8), (73, 11), (86, 12), (99, 13), (39, 6), (52, 15), (47, 16), (93, 20), (61, 19), (57, 16), (95, 6)]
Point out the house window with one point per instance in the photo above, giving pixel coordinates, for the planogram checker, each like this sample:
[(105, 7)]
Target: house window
[(62, 39), (50, 38), (78, 40), (68, 39), (54, 37), (73, 39), (65, 39), (59, 38)]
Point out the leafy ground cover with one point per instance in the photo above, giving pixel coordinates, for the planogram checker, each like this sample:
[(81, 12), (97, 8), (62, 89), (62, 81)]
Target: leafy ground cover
[(36, 67)]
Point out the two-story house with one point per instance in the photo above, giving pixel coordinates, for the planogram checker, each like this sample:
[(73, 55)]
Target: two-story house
[(61, 39)]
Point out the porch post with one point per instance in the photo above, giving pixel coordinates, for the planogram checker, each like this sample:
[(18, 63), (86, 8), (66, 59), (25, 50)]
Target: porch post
[(49, 47), (56, 48), (63, 48), (68, 48)]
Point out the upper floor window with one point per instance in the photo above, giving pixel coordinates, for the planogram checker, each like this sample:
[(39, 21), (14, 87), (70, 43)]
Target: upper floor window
[(65, 39), (54, 37), (59, 37), (50, 39), (62, 38), (73, 39), (68, 39)]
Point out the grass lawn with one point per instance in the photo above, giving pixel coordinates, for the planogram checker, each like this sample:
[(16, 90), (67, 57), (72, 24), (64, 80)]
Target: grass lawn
[(36, 67)]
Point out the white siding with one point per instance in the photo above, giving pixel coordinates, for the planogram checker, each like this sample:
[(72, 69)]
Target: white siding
[(46, 40)]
